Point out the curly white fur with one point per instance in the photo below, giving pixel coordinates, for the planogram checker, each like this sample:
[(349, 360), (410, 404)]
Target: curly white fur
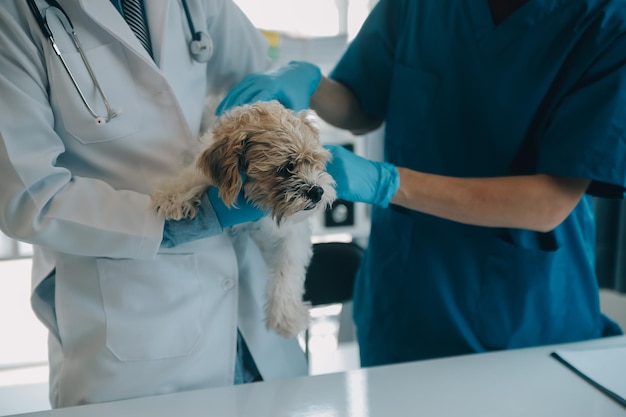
[(279, 153)]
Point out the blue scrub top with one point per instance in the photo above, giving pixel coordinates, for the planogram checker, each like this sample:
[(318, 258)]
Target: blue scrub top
[(543, 92)]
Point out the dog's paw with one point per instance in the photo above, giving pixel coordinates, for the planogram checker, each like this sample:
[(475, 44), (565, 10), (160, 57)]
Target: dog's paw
[(173, 206), (287, 319)]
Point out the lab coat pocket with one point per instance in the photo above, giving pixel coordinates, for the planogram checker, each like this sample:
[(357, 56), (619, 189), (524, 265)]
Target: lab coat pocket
[(112, 73), (152, 308), (411, 104), (515, 307)]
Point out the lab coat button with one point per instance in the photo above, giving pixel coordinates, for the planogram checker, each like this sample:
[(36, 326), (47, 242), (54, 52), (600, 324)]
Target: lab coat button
[(227, 284)]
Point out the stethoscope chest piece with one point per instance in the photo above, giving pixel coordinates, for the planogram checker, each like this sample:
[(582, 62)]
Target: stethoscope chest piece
[(201, 47)]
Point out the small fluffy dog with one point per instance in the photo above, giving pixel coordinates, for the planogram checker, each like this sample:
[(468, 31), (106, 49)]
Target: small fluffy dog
[(274, 155)]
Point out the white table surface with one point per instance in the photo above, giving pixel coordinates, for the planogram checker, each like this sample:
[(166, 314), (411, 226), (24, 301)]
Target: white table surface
[(525, 382)]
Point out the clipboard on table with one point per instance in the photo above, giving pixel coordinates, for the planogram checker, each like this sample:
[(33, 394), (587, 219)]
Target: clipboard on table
[(604, 368)]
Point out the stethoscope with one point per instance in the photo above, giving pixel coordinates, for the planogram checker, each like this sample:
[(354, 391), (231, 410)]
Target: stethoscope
[(201, 44), (200, 48)]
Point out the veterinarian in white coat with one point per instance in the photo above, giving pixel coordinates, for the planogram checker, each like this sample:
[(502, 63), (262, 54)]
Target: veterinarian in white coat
[(127, 318)]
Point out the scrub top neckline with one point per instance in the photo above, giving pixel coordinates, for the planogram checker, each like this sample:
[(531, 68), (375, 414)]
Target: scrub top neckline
[(492, 38)]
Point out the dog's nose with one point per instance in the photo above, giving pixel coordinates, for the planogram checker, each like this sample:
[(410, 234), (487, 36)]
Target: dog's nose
[(315, 193)]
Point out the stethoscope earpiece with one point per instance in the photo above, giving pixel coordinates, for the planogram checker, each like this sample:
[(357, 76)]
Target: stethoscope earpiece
[(201, 47), (103, 120)]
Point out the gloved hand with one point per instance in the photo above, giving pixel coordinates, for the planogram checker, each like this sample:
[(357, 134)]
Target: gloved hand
[(211, 218), (242, 212), (361, 180), (292, 85)]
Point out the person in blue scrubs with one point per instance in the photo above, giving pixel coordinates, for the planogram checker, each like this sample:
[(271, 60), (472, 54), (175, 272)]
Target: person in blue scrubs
[(502, 120)]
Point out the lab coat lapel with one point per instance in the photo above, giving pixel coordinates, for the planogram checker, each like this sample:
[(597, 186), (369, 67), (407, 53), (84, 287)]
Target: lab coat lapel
[(167, 17), (156, 14), (106, 15)]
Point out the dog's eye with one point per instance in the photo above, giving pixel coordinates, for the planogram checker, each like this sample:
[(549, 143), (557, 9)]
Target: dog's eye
[(286, 170)]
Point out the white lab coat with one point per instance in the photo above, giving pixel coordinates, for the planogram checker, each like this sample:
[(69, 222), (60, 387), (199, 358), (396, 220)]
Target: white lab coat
[(126, 318)]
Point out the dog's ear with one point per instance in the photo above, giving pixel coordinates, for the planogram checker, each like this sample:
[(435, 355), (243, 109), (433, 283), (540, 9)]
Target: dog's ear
[(221, 163)]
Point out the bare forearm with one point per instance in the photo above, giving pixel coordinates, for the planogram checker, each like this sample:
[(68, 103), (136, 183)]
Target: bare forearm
[(336, 104), (536, 202)]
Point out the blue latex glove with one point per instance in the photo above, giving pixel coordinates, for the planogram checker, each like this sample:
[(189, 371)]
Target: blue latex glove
[(292, 85), (211, 218), (361, 180), (242, 212)]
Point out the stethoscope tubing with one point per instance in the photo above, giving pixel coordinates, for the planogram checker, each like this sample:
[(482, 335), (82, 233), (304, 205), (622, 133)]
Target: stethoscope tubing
[(201, 44), (69, 28), (192, 27), (200, 48)]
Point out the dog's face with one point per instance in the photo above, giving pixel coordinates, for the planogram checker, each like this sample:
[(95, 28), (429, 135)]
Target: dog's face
[(274, 154)]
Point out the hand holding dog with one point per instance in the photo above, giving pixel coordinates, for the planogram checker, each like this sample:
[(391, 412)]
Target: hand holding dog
[(243, 211), (292, 85), (362, 180), (204, 224)]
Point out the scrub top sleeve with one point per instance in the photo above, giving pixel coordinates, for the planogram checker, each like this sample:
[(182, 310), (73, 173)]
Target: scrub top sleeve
[(366, 67), (586, 135)]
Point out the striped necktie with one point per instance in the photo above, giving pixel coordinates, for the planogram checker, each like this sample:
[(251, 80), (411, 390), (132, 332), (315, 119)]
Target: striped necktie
[(135, 17)]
